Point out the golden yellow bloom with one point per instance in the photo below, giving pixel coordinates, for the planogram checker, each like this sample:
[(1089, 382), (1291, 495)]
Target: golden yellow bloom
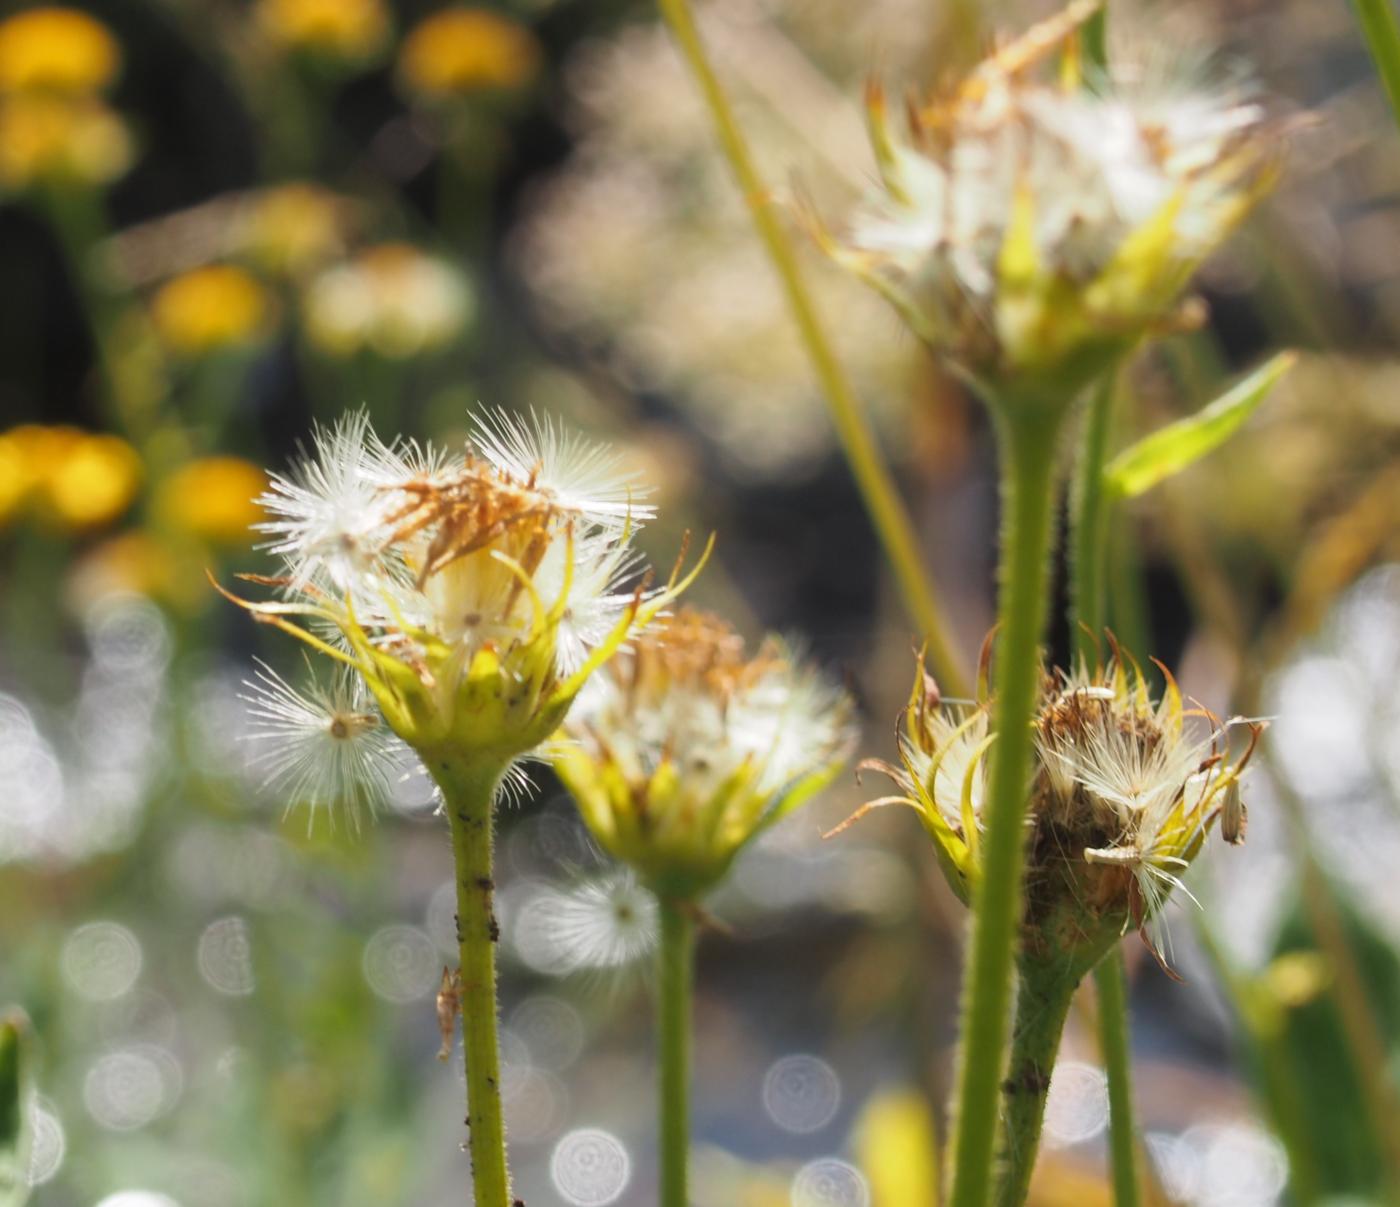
[(80, 479), (57, 50), (347, 29), (213, 499), (60, 140), (209, 308), (293, 227), (897, 1145), (95, 482), (460, 50)]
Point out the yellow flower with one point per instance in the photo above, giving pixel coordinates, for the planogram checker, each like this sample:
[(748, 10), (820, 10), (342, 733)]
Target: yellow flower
[(293, 227), (209, 308), (80, 479), (95, 482), (898, 1150), (461, 50), (391, 298), (213, 499), (58, 50), (347, 29), (60, 140)]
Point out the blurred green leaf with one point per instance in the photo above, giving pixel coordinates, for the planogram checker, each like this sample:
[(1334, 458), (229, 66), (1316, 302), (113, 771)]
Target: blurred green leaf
[(1171, 449), (15, 1118)]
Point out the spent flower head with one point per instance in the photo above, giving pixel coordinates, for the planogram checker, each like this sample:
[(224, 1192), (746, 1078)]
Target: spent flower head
[(687, 747), (473, 593), (1123, 793), (1031, 229)]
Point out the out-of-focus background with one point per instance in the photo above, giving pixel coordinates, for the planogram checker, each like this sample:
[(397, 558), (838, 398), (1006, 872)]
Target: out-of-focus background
[(223, 221)]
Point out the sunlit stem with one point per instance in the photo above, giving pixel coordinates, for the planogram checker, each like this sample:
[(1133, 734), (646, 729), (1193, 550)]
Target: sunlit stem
[(887, 513), (468, 789), (675, 987), (1028, 438), (1088, 546)]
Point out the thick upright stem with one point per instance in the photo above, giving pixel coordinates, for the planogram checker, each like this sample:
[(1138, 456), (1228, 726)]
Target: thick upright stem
[(675, 980), (1028, 441), (882, 502), (1089, 559), (1042, 1004), (467, 793)]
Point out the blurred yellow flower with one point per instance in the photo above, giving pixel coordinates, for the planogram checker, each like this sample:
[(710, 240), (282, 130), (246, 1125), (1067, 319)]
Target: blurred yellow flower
[(95, 482), (898, 1150), (294, 227), (213, 499), (80, 479), (460, 50), (347, 29), (60, 140), (57, 50), (392, 298), (209, 308)]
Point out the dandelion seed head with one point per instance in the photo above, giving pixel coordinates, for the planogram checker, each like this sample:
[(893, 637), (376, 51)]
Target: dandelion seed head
[(1124, 790), (1026, 224), (686, 747)]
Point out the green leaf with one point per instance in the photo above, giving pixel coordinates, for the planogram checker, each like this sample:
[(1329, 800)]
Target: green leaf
[(15, 1116), (1171, 449)]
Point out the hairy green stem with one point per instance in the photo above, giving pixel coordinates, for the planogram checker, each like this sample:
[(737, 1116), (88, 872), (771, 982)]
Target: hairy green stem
[(1043, 997), (1028, 440), (1382, 31), (887, 513), (1088, 559), (675, 982), (467, 791)]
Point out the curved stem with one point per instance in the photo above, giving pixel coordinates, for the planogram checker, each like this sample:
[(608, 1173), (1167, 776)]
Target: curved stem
[(882, 502), (467, 793), (1043, 997), (1088, 559), (1028, 441), (675, 976)]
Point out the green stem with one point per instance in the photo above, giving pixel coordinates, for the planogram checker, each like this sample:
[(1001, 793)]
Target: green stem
[(675, 974), (467, 791), (882, 502), (1088, 539), (1111, 978), (1088, 559), (1382, 31), (1043, 997), (1028, 440)]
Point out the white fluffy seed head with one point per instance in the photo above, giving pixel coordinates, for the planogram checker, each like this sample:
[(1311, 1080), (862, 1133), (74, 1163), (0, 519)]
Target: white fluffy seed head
[(324, 746)]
